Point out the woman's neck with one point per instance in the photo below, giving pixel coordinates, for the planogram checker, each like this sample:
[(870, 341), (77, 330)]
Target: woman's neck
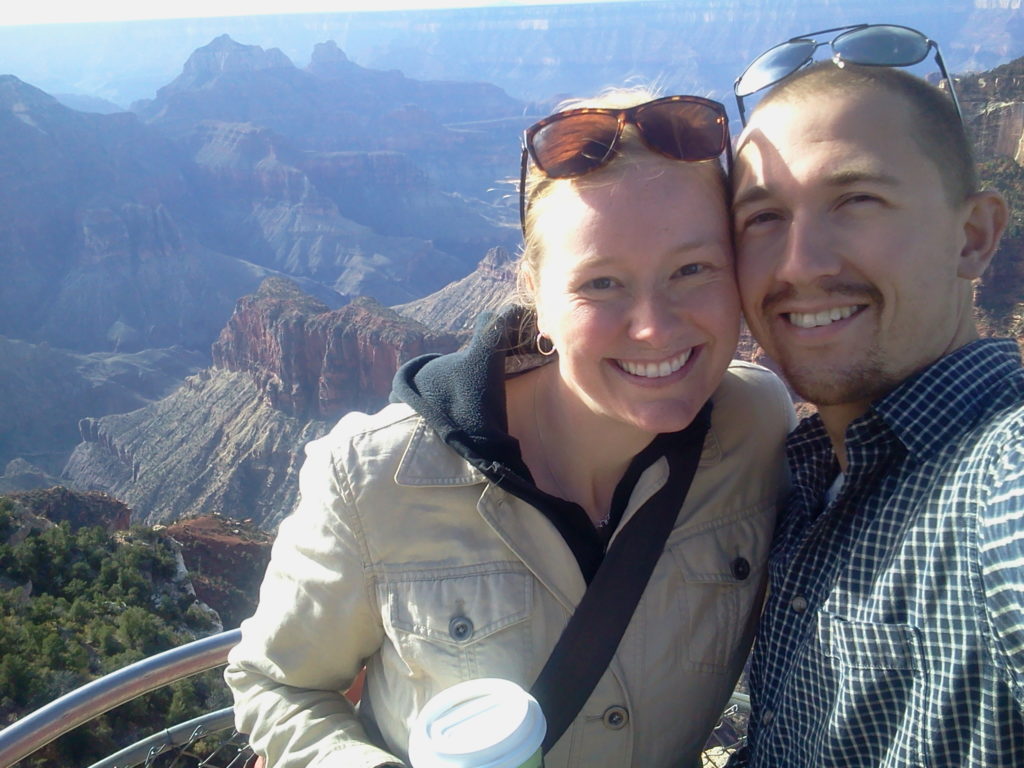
[(571, 452)]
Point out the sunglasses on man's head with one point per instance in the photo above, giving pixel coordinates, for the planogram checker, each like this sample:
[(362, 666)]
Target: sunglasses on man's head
[(575, 142), (876, 45)]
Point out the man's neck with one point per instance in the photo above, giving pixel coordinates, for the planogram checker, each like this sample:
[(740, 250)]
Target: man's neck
[(836, 418)]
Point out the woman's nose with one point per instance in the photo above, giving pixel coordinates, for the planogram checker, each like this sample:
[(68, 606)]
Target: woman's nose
[(653, 318)]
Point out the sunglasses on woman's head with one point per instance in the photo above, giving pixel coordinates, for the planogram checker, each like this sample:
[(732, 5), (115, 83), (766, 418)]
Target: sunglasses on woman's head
[(575, 142), (876, 45)]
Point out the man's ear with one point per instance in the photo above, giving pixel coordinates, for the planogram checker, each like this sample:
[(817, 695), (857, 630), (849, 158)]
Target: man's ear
[(986, 216)]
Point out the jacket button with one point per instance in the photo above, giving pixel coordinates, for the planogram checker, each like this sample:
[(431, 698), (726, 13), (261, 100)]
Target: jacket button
[(615, 717), (460, 628), (740, 568)]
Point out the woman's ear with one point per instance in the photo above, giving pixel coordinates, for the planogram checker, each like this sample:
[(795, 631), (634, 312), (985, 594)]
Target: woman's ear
[(985, 219)]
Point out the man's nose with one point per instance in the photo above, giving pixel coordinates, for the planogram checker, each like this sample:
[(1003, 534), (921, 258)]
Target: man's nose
[(808, 253)]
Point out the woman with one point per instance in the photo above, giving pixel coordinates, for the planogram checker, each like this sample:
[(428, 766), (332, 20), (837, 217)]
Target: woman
[(451, 535)]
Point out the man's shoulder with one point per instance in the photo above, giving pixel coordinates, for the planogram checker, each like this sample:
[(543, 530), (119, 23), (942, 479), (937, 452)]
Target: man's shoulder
[(1000, 432)]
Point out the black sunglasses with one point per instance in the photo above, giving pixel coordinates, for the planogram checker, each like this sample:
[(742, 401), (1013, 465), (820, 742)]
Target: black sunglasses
[(575, 142), (877, 45)]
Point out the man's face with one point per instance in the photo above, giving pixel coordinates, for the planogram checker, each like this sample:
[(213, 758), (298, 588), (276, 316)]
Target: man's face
[(848, 249)]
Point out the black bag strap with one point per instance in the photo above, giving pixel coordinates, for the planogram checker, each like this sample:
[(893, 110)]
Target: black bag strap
[(592, 636)]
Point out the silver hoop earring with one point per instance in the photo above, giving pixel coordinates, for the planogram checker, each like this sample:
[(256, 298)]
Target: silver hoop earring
[(551, 350)]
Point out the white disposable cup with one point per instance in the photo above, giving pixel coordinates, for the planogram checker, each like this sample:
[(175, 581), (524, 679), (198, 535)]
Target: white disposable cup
[(484, 723)]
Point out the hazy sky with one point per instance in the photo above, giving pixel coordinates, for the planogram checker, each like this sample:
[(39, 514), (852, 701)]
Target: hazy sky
[(18, 12)]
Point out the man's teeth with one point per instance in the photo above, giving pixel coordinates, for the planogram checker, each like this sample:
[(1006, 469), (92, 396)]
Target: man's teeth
[(656, 370), (825, 317)]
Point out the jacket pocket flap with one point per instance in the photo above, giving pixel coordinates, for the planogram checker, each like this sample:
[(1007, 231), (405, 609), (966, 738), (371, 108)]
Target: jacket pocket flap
[(728, 553), (456, 606)]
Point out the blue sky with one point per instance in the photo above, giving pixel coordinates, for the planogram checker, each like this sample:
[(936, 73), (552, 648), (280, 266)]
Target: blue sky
[(75, 11)]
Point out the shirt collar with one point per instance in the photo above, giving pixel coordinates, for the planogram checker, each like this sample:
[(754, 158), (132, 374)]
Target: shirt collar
[(925, 413), (948, 398)]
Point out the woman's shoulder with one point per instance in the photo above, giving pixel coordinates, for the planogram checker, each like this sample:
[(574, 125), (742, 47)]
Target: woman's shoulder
[(742, 376), (751, 395), (391, 427), (397, 443)]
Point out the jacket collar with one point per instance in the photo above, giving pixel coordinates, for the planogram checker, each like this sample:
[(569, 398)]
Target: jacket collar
[(429, 461)]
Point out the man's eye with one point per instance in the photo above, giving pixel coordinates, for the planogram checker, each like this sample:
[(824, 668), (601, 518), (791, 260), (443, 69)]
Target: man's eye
[(762, 217), (861, 198), (690, 269)]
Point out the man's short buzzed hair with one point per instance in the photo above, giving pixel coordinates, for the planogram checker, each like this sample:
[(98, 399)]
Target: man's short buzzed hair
[(937, 128)]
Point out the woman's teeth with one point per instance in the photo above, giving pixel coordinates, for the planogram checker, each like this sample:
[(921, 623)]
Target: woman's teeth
[(655, 370)]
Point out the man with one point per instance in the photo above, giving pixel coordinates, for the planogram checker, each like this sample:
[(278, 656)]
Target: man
[(893, 634)]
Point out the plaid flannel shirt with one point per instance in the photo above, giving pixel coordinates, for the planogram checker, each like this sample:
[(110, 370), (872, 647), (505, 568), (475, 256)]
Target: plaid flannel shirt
[(893, 634)]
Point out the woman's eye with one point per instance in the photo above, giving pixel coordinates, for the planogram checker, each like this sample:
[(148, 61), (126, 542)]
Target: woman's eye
[(600, 283)]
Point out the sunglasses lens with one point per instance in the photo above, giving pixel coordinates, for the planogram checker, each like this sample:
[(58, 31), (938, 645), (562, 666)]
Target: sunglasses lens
[(683, 130), (773, 65), (574, 145), (882, 45)]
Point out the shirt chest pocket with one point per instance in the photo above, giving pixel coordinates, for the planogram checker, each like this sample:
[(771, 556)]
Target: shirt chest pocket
[(457, 624), (878, 670)]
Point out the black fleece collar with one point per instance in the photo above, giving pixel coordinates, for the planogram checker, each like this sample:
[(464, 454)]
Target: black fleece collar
[(461, 396)]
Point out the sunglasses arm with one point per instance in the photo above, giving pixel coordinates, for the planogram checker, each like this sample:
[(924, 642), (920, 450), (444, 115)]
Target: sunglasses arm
[(523, 161), (949, 80)]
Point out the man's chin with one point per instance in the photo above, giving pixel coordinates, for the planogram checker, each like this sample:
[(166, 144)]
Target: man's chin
[(830, 386)]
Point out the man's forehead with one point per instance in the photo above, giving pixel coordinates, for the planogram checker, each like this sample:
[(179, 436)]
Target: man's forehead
[(832, 109), (856, 126), (838, 140)]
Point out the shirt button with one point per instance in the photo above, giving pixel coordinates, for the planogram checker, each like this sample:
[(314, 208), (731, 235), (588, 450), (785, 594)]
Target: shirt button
[(767, 716), (740, 568), (615, 717), (460, 628), (798, 604)]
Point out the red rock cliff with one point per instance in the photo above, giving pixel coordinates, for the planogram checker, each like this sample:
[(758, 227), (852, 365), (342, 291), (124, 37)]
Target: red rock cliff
[(309, 361)]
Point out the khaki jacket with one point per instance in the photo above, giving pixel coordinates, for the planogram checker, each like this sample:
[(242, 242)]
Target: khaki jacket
[(398, 542)]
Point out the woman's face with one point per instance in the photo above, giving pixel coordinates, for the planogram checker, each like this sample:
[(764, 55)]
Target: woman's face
[(635, 287)]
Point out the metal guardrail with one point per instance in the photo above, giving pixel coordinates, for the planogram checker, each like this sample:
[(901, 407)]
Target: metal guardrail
[(178, 736), (36, 730)]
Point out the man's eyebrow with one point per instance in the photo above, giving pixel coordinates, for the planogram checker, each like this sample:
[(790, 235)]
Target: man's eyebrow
[(854, 176), (845, 178), (752, 194)]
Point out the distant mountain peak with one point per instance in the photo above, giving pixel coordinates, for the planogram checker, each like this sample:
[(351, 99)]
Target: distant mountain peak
[(328, 53), (18, 96), (329, 61), (223, 55)]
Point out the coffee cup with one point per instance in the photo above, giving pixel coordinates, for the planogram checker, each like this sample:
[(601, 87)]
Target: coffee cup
[(483, 723)]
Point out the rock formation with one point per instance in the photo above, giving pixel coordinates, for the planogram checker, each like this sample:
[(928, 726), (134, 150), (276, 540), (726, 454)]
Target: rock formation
[(226, 560), (455, 307), (57, 505), (46, 391), (230, 440), (993, 104), (98, 233), (311, 362)]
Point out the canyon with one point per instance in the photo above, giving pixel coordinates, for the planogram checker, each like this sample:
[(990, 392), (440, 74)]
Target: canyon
[(202, 284)]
